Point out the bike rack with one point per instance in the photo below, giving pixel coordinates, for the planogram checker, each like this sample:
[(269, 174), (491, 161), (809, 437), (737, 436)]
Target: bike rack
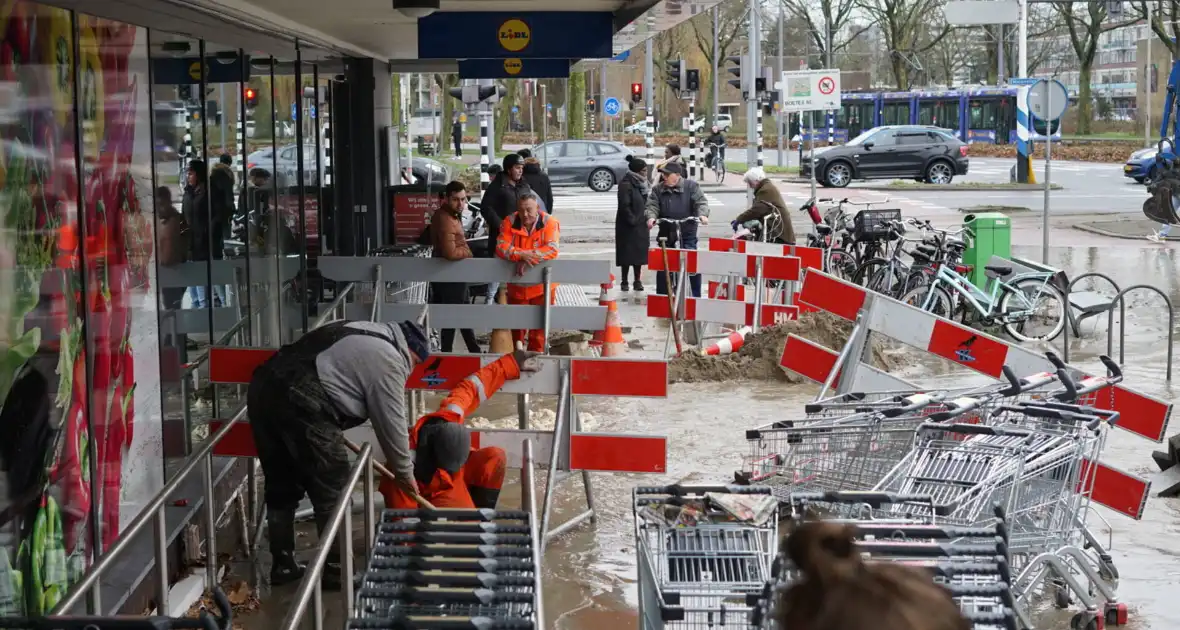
[(1120, 299)]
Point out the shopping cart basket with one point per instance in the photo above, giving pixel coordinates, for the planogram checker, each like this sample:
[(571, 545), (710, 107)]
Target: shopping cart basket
[(698, 561)]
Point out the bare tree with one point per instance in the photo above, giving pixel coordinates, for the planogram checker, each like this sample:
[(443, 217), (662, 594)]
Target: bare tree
[(826, 22), (1165, 22), (731, 22), (666, 45), (1085, 23), (908, 33), (951, 55)]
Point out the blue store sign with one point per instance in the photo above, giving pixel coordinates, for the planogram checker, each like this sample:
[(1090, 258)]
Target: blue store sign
[(514, 68), (525, 35)]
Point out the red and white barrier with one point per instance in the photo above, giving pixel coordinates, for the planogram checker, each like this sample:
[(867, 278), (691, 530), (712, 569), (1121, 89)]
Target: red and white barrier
[(809, 257), (607, 452), (774, 266), (721, 311), (1139, 413)]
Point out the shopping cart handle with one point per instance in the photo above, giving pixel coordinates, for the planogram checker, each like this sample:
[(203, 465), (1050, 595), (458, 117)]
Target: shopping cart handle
[(1055, 360), (971, 429), (1014, 380), (872, 499), (1113, 369), (1070, 385), (678, 490)]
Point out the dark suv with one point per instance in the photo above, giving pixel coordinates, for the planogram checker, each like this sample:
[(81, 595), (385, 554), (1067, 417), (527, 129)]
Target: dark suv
[(926, 154)]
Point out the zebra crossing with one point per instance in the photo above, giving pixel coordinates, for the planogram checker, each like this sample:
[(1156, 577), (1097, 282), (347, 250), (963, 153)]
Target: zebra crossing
[(601, 202)]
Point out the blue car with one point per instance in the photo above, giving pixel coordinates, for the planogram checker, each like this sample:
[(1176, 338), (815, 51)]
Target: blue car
[(1141, 166)]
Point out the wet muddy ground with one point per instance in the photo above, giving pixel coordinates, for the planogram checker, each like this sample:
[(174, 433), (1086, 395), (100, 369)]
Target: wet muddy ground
[(590, 572)]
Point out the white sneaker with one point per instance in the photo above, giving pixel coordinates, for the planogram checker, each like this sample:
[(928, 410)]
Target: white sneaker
[(1157, 237)]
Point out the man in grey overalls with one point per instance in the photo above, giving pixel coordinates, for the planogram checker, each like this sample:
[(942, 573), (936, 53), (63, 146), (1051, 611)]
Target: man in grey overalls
[(301, 401)]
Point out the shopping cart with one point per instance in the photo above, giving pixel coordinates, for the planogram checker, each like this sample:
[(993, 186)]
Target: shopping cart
[(698, 563), (970, 562), (850, 442)]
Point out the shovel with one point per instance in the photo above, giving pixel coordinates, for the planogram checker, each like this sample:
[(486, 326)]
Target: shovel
[(352, 446)]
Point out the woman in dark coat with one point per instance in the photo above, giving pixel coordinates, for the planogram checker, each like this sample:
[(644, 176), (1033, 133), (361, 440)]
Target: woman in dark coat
[(631, 235)]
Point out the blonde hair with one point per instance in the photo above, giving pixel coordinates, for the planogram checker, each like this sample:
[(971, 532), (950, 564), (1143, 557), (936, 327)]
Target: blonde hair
[(531, 160), (838, 591)]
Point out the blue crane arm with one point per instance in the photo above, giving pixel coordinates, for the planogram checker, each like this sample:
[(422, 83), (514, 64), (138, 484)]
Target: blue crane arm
[(1170, 119)]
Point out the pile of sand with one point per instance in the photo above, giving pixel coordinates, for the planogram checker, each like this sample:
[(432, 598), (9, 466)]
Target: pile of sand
[(759, 358)]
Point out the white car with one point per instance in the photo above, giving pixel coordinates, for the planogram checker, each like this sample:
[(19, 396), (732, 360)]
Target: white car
[(723, 123), (639, 127)]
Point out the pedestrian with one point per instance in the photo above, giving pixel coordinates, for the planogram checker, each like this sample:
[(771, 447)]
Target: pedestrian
[(671, 156), (449, 241), (302, 399), (173, 233), (631, 231), (448, 472), (537, 179), (839, 590), (769, 206), (677, 197), (529, 237), (457, 136), (194, 207)]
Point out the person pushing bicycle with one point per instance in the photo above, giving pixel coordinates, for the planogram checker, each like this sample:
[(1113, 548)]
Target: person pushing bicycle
[(677, 198)]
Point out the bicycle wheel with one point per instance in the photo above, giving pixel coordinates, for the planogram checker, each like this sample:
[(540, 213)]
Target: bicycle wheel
[(841, 264), (868, 269), (719, 170), (939, 304), (1047, 317)]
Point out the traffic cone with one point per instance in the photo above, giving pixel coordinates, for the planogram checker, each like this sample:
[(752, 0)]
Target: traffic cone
[(501, 341), (610, 339), (731, 343)]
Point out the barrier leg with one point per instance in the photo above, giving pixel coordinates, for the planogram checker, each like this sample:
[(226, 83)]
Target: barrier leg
[(586, 483)]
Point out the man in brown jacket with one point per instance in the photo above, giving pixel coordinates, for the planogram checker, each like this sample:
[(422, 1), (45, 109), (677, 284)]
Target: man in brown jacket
[(450, 242), (769, 205)]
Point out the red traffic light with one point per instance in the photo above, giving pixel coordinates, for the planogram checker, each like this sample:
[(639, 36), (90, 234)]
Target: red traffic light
[(249, 92), (636, 88), (590, 102)]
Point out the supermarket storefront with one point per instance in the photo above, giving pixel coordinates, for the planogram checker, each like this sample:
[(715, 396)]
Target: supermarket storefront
[(108, 299)]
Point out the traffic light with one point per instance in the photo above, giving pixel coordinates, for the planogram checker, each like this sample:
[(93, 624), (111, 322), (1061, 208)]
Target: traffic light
[(738, 69), (675, 74), (251, 98), (185, 92), (472, 94), (590, 105), (759, 85), (636, 92), (692, 80)]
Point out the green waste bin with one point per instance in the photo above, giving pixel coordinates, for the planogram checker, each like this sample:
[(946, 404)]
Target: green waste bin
[(990, 235)]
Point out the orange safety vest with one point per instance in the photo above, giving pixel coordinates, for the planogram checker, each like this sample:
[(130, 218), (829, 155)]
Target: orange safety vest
[(515, 239)]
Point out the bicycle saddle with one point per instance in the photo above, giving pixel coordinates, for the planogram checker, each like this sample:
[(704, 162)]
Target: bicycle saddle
[(999, 270), (823, 229)]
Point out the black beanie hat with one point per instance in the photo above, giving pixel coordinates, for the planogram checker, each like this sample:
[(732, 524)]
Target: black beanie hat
[(636, 164), (510, 160), (416, 339)]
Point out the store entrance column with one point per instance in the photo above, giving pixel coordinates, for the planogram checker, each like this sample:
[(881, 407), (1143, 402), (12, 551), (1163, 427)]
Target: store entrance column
[(362, 107)]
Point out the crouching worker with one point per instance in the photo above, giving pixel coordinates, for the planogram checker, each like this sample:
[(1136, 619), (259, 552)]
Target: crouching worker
[(529, 237), (449, 473), (302, 399)]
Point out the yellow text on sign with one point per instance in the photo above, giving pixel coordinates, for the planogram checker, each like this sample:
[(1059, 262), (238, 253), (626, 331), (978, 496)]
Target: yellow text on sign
[(513, 66), (514, 35), (194, 70)]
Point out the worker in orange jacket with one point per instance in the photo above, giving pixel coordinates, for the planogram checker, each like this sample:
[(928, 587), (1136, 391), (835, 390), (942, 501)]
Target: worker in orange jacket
[(527, 238), (451, 474)]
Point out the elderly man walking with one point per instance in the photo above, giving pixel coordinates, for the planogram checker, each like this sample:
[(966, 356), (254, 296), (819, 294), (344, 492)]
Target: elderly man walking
[(677, 198)]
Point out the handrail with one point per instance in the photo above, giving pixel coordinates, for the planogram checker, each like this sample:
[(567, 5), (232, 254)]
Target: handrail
[(528, 496), (1071, 325), (1121, 299), (191, 366), (154, 512), (334, 306), (311, 588)]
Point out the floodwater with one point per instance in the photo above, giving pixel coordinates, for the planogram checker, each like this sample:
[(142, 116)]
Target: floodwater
[(590, 572)]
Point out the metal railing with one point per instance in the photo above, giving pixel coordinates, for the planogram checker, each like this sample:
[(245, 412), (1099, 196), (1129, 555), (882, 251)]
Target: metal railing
[(335, 308), (1072, 324), (89, 587)]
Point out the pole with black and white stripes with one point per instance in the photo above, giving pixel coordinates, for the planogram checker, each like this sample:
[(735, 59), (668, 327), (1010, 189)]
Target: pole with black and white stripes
[(327, 148), (758, 109), (484, 155), (188, 143), (692, 138), (649, 127)]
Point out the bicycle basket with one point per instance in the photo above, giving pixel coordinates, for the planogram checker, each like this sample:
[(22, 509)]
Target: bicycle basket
[(873, 224)]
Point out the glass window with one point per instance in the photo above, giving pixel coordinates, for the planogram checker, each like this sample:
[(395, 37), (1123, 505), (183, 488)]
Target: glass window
[(884, 138), (577, 149), (44, 290), (539, 151), (909, 139), (607, 149)]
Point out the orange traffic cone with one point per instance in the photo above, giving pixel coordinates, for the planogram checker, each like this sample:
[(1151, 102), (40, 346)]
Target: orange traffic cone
[(731, 343), (610, 340)]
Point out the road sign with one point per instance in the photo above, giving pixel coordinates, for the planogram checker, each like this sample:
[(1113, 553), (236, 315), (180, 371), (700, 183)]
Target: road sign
[(811, 90), (311, 111), (1048, 99), (515, 109), (548, 105), (1022, 81), (612, 107), (294, 111)]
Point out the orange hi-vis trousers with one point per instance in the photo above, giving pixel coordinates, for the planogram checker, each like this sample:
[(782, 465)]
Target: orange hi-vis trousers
[(478, 482)]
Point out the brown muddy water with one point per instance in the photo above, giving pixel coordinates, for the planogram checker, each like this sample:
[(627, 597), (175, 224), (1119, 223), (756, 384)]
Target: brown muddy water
[(590, 572)]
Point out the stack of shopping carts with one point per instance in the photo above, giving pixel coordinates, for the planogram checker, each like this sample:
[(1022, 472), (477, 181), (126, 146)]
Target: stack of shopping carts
[(972, 563), (704, 551), (451, 569), (1023, 445), (403, 292)]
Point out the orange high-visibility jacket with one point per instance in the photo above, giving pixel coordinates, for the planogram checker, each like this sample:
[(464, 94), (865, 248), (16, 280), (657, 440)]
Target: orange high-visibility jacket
[(467, 396), (515, 239)]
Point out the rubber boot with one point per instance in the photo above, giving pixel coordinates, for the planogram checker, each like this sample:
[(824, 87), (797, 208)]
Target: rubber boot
[(281, 529), (330, 579), (484, 498)]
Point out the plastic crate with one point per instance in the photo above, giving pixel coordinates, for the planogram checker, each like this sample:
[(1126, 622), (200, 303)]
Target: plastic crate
[(873, 224)]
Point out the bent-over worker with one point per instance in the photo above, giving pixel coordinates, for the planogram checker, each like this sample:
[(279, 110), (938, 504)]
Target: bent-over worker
[(529, 237), (768, 201), (302, 399), (448, 471)]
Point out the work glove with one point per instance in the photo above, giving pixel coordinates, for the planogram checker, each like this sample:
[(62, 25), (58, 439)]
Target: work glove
[(734, 225), (526, 360)]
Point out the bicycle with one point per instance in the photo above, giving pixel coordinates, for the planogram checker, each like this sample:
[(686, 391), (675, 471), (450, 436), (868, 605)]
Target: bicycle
[(718, 165), (894, 277), (1007, 302), (696, 290)]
